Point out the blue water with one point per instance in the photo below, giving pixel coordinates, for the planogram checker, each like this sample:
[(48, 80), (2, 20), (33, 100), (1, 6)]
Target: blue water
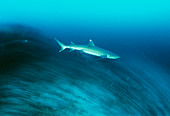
[(35, 79)]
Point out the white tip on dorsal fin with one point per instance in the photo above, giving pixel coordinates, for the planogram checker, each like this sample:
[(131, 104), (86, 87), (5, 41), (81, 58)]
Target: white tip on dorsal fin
[(91, 43), (72, 43)]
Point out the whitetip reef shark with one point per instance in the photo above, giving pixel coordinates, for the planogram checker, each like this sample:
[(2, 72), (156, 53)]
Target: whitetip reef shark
[(89, 49)]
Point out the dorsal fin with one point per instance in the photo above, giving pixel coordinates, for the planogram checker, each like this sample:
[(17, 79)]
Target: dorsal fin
[(72, 43), (91, 43)]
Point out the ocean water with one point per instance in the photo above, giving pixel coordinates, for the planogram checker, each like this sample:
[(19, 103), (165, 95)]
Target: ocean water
[(38, 80)]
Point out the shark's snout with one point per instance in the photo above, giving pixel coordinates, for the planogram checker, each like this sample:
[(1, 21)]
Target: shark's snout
[(117, 57)]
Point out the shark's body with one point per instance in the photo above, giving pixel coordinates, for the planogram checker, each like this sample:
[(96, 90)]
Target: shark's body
[(89, 49)]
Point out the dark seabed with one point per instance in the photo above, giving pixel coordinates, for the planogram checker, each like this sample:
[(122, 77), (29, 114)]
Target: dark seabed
[(37, 80)]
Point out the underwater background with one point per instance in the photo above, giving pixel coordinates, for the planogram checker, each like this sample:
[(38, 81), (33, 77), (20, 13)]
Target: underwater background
[(37, 80)]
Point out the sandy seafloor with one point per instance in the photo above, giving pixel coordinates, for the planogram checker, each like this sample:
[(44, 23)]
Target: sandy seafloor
[(37, 80)]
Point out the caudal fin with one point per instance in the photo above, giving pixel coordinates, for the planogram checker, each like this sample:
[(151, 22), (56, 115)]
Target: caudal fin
[(61, 45)]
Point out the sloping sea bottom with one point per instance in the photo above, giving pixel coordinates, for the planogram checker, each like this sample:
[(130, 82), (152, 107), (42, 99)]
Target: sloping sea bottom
[(37, 80)]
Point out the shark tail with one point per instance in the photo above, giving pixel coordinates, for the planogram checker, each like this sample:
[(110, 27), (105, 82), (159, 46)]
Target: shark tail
[(61, 45)]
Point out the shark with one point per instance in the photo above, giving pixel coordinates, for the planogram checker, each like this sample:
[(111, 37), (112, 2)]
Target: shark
[(90, 48)]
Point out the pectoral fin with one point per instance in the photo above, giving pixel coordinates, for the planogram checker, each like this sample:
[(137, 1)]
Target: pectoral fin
[(104, 56), (71, 50), (81, 51)]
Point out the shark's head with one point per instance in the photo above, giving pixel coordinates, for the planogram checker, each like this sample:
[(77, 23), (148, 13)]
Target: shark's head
[(112, 56)]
